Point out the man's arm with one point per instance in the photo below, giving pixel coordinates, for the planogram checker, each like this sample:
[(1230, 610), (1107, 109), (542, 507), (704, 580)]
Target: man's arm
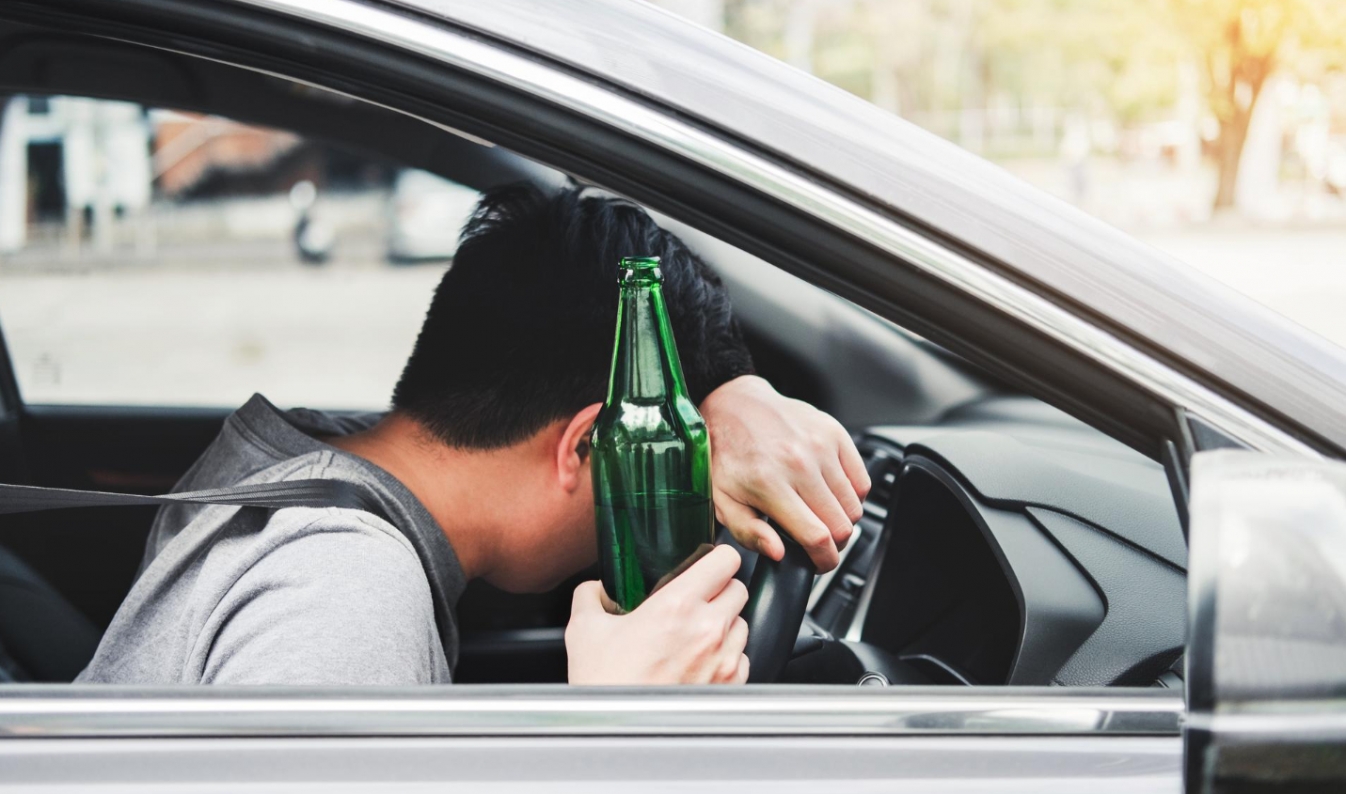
[(784, 459), (770, 455), (338, 601)]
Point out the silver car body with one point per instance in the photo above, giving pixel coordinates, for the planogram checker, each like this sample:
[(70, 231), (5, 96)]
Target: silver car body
[(1175, 339)]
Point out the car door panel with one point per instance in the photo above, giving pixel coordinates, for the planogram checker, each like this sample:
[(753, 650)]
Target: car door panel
[(858, 764)]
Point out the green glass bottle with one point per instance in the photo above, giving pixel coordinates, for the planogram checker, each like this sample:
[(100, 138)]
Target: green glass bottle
[(650, 451)]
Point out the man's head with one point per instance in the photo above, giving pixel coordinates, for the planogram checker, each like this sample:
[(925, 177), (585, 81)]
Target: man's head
[(517, 344)]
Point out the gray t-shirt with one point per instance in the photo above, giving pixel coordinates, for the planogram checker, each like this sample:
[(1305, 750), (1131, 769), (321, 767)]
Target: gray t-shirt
[(230, 595)]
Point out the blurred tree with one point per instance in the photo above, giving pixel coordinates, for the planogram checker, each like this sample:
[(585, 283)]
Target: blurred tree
[(950, 65), (1240, 44), (1112, 57)]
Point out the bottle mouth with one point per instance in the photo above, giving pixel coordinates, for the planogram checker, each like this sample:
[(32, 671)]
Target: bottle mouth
[(640, 267)]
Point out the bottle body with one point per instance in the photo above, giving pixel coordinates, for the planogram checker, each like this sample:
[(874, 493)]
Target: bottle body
[(650, 452)]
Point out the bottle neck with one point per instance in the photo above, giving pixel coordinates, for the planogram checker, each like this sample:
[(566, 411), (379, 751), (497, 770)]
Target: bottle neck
[(645, 363)]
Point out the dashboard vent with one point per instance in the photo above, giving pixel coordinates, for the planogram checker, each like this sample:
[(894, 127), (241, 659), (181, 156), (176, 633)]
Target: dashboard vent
[(832, 605), (884, 468)]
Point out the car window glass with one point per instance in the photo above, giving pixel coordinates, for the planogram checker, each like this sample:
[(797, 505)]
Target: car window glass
[(155, 257)]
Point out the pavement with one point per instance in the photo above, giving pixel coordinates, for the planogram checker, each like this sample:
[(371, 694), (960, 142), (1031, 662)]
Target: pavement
[(322, 338)]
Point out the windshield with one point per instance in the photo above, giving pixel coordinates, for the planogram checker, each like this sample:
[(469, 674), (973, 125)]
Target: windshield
[(1212, 130)]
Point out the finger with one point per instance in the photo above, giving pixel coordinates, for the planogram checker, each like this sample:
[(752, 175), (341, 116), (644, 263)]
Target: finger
[(741, 677), (588, 598), (731, 599), (707, 577), (853, 464), (731, 653), (826, 507), (843, 490), (747, 526), (790, 511), (737, 638)]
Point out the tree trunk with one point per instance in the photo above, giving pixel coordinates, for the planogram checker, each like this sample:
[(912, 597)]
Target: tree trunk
[(1247, 75), (1229, 152)]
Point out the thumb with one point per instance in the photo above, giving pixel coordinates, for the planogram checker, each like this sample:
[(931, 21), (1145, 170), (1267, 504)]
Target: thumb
[(747, 527), (589, 597)]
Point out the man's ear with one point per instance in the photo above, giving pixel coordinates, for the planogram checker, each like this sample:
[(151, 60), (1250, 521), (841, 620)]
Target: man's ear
[(572, 453)]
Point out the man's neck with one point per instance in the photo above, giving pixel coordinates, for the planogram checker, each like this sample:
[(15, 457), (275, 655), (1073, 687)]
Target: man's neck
[(472, 494)]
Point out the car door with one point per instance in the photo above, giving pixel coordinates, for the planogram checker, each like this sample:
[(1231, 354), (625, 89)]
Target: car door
[(969, 739)]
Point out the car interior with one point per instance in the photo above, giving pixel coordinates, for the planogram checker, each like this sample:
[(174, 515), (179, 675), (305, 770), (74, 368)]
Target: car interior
[(1005, 542)]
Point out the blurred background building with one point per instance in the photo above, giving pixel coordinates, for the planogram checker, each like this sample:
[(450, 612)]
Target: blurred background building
[(70, 163), (151, 256), (1214, 129)]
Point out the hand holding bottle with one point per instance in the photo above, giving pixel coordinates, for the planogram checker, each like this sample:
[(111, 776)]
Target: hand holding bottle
[(689, 632)]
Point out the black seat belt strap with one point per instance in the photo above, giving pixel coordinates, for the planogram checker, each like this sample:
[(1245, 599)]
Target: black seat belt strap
[(295, 493)]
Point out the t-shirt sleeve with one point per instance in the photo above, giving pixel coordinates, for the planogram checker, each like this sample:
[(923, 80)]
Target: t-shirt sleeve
[(336, 600)]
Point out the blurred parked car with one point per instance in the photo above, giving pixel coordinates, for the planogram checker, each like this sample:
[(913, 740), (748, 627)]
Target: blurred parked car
[(427, 212)]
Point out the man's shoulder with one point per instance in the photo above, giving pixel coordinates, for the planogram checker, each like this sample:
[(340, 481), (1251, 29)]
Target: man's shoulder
[(345, 552), (329, 595), (311, 595), (325, 536)]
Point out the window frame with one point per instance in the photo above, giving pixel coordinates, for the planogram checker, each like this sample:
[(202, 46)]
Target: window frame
[(480, 88), (78, 711)]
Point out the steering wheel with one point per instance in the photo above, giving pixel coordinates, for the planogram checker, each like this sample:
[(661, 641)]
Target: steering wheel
[(777, 597)]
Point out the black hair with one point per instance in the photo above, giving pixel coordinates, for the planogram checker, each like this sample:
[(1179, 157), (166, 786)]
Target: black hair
[(520, 331)]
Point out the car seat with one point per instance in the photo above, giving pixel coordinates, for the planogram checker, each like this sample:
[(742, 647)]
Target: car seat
[(43, 638)]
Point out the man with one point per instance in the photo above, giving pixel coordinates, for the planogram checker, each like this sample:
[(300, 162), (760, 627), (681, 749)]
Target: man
[(482, 469)]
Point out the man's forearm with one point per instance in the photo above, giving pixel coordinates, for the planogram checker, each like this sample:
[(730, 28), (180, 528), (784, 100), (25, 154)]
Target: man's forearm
[(785, 459)]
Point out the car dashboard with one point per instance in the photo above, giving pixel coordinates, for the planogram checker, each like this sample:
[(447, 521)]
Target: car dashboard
[(1006, 544)]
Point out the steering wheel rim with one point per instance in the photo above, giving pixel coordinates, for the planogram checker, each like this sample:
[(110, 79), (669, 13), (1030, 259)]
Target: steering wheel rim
[(777, 598)]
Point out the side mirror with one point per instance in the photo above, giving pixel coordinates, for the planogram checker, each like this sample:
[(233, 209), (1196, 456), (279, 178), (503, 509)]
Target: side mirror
[(1266, 654)]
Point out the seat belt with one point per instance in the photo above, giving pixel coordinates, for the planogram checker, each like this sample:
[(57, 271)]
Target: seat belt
[(276, 496)]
